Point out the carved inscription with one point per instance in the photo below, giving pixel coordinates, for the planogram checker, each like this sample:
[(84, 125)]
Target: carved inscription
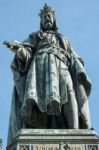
[(54, 147), (40, 147)]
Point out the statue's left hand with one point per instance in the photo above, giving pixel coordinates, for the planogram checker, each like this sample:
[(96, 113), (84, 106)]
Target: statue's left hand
[(82, 78)]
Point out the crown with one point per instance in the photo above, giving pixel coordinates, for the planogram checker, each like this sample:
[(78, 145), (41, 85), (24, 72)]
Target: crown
[(46, 9)]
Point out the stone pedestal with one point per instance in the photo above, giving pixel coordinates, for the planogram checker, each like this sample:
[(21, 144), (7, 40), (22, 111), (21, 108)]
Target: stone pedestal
[(55, 139)]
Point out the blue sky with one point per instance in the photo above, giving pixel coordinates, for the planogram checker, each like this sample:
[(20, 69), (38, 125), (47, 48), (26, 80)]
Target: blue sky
[(77, 20)]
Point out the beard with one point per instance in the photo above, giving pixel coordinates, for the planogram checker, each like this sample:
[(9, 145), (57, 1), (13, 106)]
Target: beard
[(48, 25)]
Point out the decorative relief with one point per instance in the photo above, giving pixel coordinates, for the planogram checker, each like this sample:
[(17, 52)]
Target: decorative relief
[(92, 147), (24, 147), (67, 147)]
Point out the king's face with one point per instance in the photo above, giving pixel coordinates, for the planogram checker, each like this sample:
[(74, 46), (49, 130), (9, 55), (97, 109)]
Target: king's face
[(47, 21)]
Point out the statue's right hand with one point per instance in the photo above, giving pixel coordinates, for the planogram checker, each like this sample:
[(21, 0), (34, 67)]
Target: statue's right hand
[(7, 44), (13, 45)]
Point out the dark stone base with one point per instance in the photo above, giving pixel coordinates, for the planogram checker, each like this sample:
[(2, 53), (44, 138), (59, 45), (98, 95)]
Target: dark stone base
[(52, 139)]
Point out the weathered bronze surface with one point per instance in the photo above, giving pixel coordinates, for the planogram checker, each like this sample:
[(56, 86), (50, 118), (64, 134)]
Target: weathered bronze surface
[(51, 86)]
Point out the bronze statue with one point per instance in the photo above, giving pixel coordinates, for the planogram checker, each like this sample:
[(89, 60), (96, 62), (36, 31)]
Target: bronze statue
[(51, 86)]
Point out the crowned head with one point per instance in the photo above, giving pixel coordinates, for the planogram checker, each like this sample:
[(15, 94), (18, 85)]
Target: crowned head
[(48, 21)]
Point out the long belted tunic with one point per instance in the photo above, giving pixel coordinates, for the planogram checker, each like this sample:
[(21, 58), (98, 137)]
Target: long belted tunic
[(48, 76)]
